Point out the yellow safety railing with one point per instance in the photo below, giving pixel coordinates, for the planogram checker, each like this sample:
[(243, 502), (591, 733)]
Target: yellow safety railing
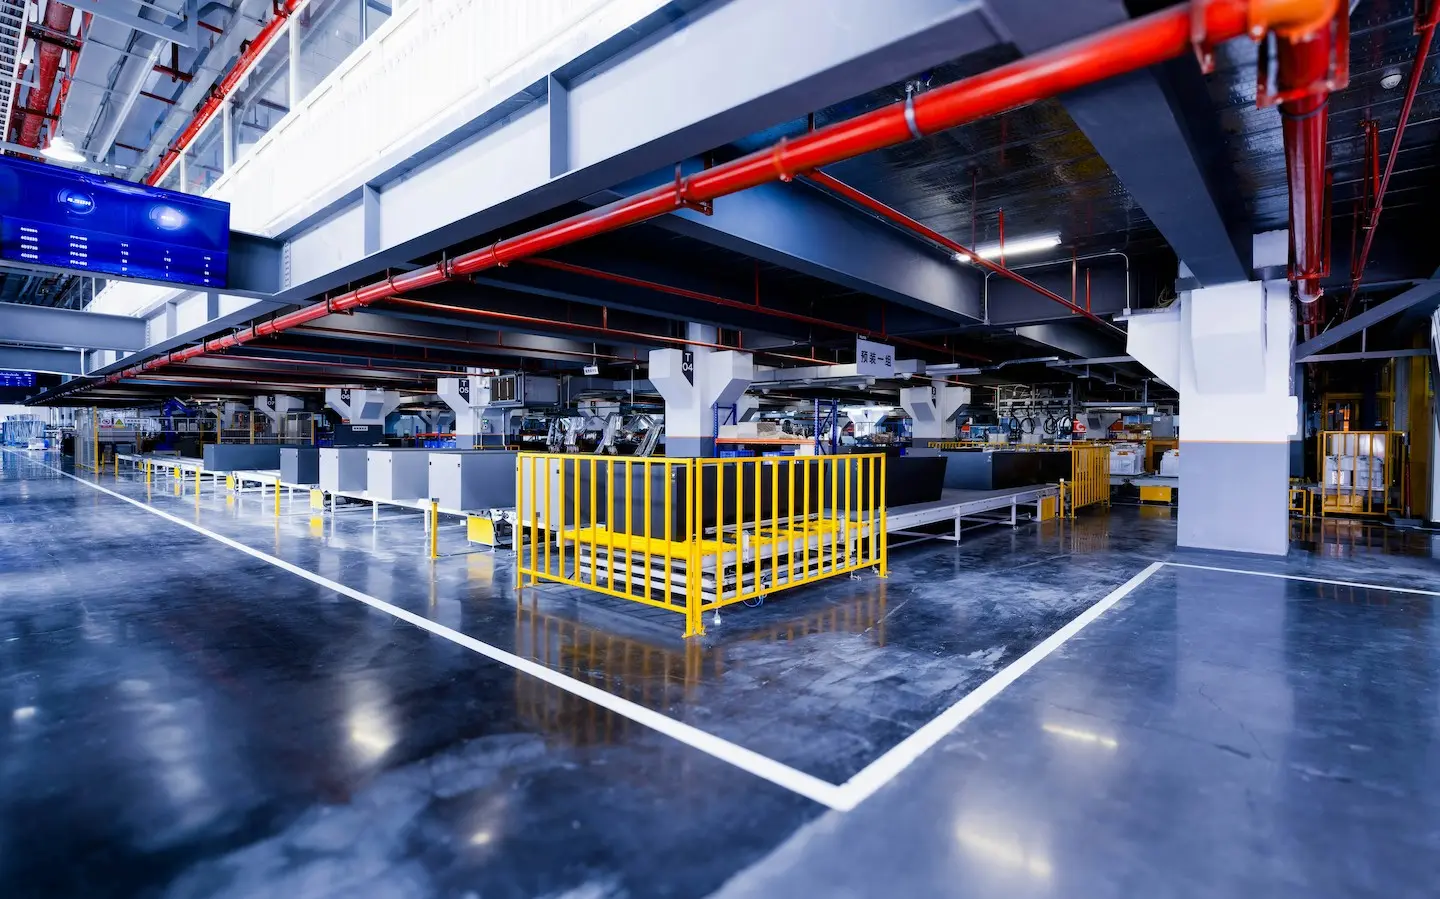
[(1301, 500), (1089, 482), (1360, 471), (950, 445), (695, 535)]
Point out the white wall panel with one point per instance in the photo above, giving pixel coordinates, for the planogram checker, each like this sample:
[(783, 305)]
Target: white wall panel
[(337, 242), (426, 61), (466, 183), (190, 312)]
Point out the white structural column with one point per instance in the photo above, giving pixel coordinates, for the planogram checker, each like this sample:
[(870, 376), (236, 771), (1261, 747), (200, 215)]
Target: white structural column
[(276, 406), (693, 383), (468, 397), (362, 407), (932, 411), (1227, 351)]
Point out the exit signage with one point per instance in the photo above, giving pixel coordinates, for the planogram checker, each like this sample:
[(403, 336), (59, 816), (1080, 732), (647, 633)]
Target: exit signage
[(875, 359)]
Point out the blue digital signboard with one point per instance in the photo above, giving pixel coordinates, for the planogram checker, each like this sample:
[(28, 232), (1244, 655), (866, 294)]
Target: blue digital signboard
[(17, 379), (62, 218)]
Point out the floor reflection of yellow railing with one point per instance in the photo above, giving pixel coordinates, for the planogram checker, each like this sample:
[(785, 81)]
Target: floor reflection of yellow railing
[(651, 674), (1341, 537), (1082, 534)]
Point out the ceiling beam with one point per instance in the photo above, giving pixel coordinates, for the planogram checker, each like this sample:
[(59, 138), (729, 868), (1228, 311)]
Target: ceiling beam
[(1151, 134), (47, 326), (812, 233), (55, 362), (1420, 293)]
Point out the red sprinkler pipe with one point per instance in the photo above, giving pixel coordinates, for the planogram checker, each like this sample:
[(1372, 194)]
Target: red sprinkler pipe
[(904, 221), (1425, 26), (1307, 71), (222, 90), (58, 17), (736, 304), (67, 77), (1134, 45)]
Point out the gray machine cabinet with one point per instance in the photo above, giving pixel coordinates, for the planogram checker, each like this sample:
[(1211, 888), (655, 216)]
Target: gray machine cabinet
[(299, 464), (473, 480), (398, 474), (240, 457), (344, 469)]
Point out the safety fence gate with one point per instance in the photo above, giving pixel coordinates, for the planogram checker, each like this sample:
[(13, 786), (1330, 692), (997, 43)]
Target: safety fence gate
[(696, 535), (1089, 477), (1362, 473)]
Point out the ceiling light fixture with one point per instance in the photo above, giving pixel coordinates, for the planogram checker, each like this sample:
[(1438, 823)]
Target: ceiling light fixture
[(61, 150), (1390, 80), (1016, 247)]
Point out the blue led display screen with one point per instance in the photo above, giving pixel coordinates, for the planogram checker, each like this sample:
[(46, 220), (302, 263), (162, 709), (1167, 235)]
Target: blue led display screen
[(63, 218), (17, 379)]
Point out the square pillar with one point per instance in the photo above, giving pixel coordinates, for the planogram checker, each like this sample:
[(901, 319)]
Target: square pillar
[(1227, 351)]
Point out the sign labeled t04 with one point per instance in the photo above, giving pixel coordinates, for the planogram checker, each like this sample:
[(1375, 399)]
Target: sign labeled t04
[(875, 359)]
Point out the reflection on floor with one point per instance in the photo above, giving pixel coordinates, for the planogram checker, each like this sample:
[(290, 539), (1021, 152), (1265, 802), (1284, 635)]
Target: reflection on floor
[(185, 720)]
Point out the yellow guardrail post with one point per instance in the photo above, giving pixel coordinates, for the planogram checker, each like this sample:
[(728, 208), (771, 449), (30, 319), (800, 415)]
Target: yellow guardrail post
[(277, 497), (694, 618), (884, 523), (434, 528)]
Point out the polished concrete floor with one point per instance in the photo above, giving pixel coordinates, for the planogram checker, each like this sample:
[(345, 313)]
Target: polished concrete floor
[(181, 719)]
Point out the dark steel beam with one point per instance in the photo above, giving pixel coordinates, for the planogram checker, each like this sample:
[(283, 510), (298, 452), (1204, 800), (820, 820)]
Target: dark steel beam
[(1422, 292), (817, 235), (22, 358), (1156, 130), (47, 326)]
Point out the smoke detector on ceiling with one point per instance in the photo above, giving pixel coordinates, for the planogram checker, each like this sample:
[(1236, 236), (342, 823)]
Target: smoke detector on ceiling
[(1390, 80)]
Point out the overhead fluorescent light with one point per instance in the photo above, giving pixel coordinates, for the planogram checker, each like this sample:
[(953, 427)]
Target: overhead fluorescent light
[(1017, 247), (61, 150)]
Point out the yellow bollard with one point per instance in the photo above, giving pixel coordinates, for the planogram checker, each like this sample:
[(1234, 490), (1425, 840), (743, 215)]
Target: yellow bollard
[(434, 529), (197, 482), (277, 497)]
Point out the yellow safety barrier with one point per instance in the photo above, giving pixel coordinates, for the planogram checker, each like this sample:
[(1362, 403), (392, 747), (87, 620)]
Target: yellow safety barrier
[(1359, 472), (1301, 499), (1089, 477), (696, 535)]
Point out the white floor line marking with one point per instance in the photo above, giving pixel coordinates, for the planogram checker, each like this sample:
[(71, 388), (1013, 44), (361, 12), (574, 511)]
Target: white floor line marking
[(1301, 577), (746, 760), (884, 769)]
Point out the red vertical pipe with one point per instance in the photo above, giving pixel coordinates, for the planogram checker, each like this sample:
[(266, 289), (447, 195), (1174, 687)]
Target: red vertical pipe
[(58, 17), (1305, 63), (1426, 28)]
